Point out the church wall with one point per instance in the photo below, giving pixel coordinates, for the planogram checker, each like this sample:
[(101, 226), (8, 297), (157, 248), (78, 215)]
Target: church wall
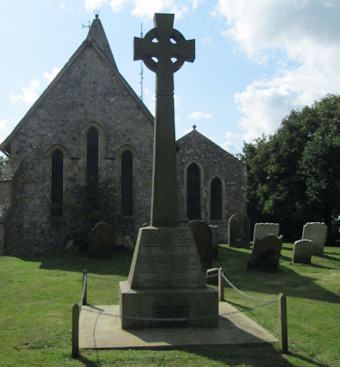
[(88, 92), (213, 162)]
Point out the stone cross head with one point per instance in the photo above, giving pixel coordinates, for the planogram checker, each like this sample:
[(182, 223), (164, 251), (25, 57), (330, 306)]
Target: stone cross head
[(165, 44)]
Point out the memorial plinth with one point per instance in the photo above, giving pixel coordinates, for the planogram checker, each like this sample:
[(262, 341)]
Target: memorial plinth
[(166, 285)]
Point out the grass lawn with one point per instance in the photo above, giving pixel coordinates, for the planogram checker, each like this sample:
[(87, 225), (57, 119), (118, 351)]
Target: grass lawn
[(37, 294)]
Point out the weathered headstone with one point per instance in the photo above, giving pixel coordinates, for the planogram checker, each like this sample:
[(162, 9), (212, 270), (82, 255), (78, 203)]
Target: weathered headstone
[(215, 239), (101, 241), (316, 232), (302, 251), (166, 285), (266, 253), (262, 230), (203, 239), (238, 231)]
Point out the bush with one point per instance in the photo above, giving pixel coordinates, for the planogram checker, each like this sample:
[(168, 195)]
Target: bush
[(91, 203)]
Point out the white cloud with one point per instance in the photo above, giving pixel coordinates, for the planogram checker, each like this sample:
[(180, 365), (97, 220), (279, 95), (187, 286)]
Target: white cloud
[(92, 5), (4, 129), (302, 38), (149, 99), (29, 94), (117, 5), (50, 76), (207, 41), (198, 115), (231, 143), (66, 9), (145, 8)]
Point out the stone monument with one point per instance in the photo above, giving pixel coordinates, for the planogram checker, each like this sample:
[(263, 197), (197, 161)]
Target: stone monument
[(302, 251), (316, 232), (238, 231), (166, 285), (262, 230), (266, 253)]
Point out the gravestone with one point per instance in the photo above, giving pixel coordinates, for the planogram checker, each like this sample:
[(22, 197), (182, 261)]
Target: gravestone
[(203, 239), (166, 285), (101, 241), (215, 240), (262, 230), (302, 251), (238, 231), (266, 253), (316, 232)]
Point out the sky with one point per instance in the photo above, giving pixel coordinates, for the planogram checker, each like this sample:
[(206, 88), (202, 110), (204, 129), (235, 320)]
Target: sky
[(256, 60)]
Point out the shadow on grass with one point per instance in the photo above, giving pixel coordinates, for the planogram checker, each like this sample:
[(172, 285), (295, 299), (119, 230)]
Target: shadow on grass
[(332, 258), (117, 264), (307, 360), (261, 355), (288, 279), (86, 362)]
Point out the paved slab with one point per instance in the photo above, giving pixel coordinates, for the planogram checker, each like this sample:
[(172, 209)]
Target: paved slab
[(100, 327)]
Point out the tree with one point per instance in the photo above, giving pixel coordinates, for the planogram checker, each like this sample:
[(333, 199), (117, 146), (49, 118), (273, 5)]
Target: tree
[(320, 164), (289, 179), (91, 203)]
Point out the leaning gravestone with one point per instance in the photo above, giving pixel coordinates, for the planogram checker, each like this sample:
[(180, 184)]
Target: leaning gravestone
[(266, 253), (302, 251), (166, 285), (238, 231), (262, 230), (101, 240), (215, 239), (316, 232), (203, 239)]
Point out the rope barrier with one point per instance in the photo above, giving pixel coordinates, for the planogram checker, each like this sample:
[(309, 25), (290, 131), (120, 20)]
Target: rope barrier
[(247, 295), (174, 319)]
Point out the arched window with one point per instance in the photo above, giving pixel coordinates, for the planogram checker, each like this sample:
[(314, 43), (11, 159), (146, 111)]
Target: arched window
[(57, 180), (193, 192), (216, 199), (92, 156), (127, 183)]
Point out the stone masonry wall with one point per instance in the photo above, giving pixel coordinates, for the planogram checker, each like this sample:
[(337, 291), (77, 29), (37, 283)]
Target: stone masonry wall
[(213, 161), (88, 93)]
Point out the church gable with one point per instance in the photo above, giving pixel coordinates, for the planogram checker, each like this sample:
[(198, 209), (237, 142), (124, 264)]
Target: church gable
[(212, 182), (87, 125), (88, 88)]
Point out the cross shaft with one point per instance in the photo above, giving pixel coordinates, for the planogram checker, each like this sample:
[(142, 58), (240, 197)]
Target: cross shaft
[(171, 50)]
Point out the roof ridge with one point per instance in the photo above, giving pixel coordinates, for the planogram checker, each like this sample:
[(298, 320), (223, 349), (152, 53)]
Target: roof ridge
[(97, 34)]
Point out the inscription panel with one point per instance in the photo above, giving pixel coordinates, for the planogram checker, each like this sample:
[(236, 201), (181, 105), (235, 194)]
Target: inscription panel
[(166, 258)]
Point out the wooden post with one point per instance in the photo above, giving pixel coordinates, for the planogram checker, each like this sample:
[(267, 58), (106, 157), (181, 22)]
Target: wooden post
[(283, 335), (85, 292), (75, 330), (220, 285)]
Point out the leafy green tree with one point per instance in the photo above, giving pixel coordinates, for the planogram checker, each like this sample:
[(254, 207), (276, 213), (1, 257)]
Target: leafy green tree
[(289, 179), (320, 164), (90, 204)]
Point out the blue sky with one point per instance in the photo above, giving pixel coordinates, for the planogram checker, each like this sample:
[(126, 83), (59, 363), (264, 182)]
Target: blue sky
[(255, 59)]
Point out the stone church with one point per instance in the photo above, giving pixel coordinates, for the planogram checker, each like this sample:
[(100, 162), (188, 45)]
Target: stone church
[(90, 124)]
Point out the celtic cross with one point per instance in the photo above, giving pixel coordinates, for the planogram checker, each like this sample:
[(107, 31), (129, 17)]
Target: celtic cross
[(164, 50)]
